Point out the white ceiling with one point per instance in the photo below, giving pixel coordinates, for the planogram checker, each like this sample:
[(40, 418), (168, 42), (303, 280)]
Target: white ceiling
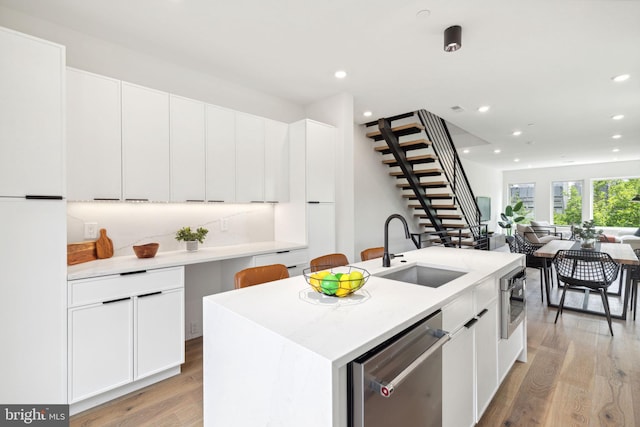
[(544, 66)]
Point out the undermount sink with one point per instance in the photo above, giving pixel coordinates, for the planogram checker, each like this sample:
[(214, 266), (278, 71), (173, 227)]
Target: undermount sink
[(422, 275)]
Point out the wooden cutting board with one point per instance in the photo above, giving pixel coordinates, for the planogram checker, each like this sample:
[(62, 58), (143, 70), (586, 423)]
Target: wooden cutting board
[(78, 253), (104, 245)]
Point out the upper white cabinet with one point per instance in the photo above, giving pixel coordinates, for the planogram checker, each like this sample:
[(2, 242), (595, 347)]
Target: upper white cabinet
[(94, 155), (221, 154), (276, 161), (187, 142), (250, 133), (145, 143), (321, 160), (31, 116)]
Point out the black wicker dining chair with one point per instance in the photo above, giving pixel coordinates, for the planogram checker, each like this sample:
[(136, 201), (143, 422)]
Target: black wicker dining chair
[(524, 246), (635, 278), (585, 269)]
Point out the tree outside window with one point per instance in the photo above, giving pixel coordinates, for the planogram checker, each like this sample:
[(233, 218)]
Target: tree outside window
[(612, 205), (567, 202), (524, 193)]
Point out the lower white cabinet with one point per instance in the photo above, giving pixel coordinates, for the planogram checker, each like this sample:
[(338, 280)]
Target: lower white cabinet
[(457, 380), (486, 340), (123, 328), (295, 261)]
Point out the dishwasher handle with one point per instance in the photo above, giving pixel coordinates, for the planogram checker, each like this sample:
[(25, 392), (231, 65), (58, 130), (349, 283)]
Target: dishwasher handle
[(385, 389)]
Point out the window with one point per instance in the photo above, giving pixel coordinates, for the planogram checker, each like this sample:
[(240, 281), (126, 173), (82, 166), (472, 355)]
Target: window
[(612, 205), (567, 202), (524, 192)]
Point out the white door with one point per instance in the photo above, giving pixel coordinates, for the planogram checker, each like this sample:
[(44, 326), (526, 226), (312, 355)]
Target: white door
[(94, 153), (159, 332), (249, 158), (457, 380), (31, 116), (221, 154), (321, 160), (187, 142), (100, 348), (276, 161), (145, 143), (321, 229)]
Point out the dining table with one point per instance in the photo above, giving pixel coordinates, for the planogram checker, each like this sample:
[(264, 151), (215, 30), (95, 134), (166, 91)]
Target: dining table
[(622, 253)]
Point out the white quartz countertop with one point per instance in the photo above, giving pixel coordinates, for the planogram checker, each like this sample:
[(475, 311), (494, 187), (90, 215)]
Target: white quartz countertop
[(340, 329), (124, 264)]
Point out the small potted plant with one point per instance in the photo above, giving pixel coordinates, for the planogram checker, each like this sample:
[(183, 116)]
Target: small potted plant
[(587, 234), (191, 237)]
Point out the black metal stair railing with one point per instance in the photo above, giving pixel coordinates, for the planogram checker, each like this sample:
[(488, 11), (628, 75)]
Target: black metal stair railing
[(445, 150)]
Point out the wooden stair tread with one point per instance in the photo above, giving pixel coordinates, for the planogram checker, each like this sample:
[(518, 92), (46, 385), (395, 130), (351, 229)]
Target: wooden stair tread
[(402, 130), (436, 206), (446, 225), (441, 216), (419, 172), (430, 184), (425, 158), (407, 145), (430, 196)]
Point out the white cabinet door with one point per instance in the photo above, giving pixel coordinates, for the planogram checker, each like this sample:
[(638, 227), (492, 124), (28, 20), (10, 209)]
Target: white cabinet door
[(320, 161), (276, 161), (94, 154), (159, 332), (145, 143), (187, 128), (321, 231), (221, 154), (31, 116), (249, 158), (457, 380), (486, 340), (100, 348)]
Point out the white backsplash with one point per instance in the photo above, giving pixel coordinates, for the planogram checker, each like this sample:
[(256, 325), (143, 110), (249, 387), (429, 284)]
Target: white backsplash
[(129, 224)]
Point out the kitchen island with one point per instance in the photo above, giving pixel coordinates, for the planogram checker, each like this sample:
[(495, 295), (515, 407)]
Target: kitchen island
[(277, 354)]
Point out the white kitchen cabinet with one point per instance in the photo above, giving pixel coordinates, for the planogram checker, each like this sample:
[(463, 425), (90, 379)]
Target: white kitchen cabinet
[(124, 328), (187, 147), (100, 348), (250, 132), (32, 81), (145, 143), (220, 154), (94, 153), (159, 331), (276, 161), (457, 380), (295, 261), (486, 341), (320, 162), (321, 229)]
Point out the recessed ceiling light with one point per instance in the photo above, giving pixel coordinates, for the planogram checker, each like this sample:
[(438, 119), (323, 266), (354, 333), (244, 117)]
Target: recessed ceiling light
[(497, 150), (516, 160), (616, 136), (516, 133), (423, 14), (484, 108), (465, 151), (367, 114), (340, 74), (618, 117), (615, 150), (620, 78)]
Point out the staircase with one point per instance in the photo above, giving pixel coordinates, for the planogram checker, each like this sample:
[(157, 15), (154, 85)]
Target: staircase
[(422, 158)]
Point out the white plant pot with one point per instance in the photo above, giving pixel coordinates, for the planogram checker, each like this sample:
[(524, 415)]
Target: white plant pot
[(192, 245)]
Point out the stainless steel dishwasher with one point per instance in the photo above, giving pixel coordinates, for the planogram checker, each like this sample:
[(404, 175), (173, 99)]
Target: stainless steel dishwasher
[(399, 383)]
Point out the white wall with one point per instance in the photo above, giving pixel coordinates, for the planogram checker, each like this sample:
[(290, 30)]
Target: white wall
[(486, 181), (337, 111), (98, 56), (543, 178)]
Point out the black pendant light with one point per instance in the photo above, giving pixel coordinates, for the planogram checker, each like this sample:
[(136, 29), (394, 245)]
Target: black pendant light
[(452, 38)]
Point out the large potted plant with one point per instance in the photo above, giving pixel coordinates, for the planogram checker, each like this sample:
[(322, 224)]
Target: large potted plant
[(587, 234), (512, 215), (191, 237)]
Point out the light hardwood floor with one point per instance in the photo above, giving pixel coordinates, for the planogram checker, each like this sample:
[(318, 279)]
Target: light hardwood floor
[(576, 375)]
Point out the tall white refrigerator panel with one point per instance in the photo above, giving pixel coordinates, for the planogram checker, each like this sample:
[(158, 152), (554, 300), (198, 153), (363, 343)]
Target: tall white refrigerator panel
[(33, 363)]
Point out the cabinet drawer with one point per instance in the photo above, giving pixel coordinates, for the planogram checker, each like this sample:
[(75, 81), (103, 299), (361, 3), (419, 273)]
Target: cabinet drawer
[(458, 312), (485, 292), (105, 288), (289, 258)]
